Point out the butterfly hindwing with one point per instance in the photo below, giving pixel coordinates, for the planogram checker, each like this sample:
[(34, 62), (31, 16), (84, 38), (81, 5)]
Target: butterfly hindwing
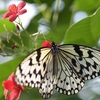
[(46, 88), (68, 81)]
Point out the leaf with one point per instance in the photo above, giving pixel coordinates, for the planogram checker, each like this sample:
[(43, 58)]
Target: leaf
[(5, 23), (87, 5), (85, 32)]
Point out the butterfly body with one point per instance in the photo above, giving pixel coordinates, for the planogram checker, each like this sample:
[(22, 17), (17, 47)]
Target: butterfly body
[(63, 67)]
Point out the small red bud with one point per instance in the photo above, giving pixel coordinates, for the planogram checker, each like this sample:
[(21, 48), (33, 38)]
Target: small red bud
[(18, 27), (14, 47)]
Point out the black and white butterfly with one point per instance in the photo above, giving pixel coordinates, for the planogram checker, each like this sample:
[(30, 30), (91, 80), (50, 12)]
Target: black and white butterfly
[(63, 67)]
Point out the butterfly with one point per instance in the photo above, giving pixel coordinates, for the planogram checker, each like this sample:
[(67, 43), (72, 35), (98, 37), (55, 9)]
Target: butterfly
[(63, 67)]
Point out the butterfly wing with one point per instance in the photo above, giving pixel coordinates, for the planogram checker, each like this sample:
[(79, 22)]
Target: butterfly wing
[(68, 81), (36, 71), (76, 64), (46, 88), (67, 69)]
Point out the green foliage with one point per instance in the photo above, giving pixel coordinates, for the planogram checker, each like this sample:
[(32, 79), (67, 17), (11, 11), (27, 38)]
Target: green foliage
[(6, 26), (85, 32), (88, 6), (60, 28)]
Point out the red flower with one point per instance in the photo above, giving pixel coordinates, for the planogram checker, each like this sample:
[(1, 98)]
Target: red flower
[(12, 91), (47, 43), (14, 11)]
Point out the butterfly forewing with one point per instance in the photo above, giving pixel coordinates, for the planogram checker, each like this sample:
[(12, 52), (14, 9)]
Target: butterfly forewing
[(33, 68), (85, 60)]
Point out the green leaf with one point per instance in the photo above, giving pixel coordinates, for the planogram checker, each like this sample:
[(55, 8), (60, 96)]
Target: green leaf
[(4, 23), (87, 5), (85, 32)]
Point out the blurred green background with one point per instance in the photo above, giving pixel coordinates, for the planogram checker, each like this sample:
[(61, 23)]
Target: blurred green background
[(61, 21)]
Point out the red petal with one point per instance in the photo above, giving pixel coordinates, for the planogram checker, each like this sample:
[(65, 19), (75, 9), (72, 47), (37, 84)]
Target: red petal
[(7, 14), (13, 95), (11, 77), (21, 5), (12, 18), (20, 87), (22, 12), (18, 95), (5, 93), (8, 85), (46, 44), (10, 7)]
